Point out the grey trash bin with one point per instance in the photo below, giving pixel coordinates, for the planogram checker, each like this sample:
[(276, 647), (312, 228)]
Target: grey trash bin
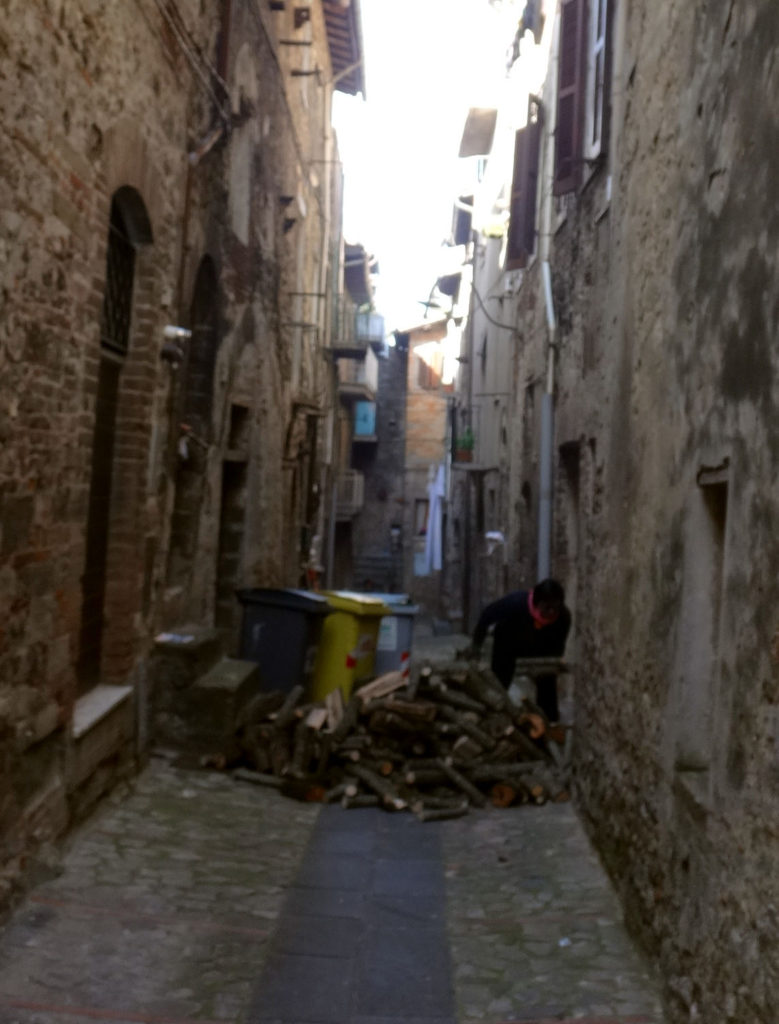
[(393, 648), (280, 631)]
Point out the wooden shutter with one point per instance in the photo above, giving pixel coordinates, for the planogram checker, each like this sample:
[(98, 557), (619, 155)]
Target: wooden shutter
[(570, 96), (524, 187)]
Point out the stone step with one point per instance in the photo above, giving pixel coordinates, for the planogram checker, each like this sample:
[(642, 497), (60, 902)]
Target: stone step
[(202, 717)]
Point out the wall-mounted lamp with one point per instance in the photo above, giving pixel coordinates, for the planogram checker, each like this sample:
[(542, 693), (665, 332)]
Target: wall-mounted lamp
[(173, 347)]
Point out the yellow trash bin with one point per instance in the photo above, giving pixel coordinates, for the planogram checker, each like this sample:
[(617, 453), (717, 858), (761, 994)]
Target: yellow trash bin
[(347, 647)]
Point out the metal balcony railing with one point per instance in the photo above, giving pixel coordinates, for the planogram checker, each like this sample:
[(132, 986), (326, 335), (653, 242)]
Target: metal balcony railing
[(350, 493), (369, 327), (354, 332)]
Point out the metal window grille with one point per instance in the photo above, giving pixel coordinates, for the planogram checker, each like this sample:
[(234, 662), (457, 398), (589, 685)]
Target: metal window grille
[(117, 302)]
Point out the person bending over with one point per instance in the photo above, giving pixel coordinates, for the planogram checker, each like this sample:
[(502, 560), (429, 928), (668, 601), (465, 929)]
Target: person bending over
[(528, 624)]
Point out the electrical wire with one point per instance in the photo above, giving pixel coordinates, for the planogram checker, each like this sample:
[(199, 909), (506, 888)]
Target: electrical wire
[(492, 320), (194, 60)]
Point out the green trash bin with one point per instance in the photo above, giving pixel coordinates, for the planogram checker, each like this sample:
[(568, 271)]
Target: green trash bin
[(280, 631)]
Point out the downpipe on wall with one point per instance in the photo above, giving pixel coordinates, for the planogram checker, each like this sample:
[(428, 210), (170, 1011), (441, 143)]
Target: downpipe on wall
[(545, 499)]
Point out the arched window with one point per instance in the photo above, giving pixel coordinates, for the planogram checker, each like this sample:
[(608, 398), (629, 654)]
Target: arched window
[(128, 228)]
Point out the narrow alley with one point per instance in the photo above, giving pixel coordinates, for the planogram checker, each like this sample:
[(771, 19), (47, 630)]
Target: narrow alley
[(340, 334)]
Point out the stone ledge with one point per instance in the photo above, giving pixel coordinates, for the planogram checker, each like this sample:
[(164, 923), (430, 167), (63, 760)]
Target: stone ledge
[(96, 705), (103, 728)]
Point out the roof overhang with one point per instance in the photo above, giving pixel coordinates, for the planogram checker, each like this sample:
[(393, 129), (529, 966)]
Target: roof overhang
[(479, 131), (344, 40), (357, 274)]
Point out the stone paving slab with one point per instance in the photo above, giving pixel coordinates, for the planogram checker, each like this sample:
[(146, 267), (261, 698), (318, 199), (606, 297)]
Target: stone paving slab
[(398, 965)]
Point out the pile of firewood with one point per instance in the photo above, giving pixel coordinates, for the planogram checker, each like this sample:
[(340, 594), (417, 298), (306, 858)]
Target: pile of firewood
[(446, 741)]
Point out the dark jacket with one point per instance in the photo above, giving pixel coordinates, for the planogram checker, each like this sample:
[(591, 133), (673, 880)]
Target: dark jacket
[(516, 636)]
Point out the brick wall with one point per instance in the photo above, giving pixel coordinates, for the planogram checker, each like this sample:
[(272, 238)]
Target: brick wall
[(93, 99)]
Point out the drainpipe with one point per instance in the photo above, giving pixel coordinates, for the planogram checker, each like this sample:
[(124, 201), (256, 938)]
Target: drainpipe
[(547, 436)]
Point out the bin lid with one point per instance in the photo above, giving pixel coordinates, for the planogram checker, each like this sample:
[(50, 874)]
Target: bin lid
[(285, 597), (408, 610), (392, 599), (357, 604)]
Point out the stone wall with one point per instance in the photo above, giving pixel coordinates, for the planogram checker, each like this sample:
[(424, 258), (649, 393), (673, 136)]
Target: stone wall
[(188, 115), (667, 495)]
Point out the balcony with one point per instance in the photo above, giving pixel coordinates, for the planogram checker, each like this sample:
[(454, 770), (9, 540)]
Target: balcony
[(359, 379), (354, 333), (350, 494)]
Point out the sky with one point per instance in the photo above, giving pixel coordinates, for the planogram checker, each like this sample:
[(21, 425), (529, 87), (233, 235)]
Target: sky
[(426, 63)]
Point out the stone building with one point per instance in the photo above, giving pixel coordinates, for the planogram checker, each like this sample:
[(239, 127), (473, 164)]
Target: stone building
[(170, 248), (643, 236)]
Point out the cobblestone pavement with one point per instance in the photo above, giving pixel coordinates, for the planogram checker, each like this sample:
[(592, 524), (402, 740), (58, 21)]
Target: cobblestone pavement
[(197, 898), (164, 910), (535, 928)]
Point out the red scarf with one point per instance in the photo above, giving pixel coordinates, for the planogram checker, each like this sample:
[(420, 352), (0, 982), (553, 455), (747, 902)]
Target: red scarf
[(539, 620)]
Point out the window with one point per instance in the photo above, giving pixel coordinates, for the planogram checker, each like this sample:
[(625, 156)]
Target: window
[(701, 618), (596, 80), (521, 241), (583, 86)]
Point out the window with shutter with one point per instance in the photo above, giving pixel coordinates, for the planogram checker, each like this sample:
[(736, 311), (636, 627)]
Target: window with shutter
[(570, 96), (524, 187), (598, 79)]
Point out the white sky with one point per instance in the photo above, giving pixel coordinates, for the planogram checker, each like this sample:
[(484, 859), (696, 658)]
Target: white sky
[(426, 63)]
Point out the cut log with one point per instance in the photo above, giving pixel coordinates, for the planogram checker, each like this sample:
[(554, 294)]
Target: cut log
[(444, 813), (418, 710), (503, 794), (347, 788), (444, 695), (302, 748), (258, 708), (498, 724), (279, 750), (475, 796), (258, 778), (389, 723), (316, 717), (334, 703), (361, 800), (426, 777), (381, 686), (357, 741), (542, 666), (286, 714), (308, 791), (466, 726), (466, 749), (384, 789), (428, 802), (413, 686), (483, 685), (348, 721), (535, 725), (485, 773)]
